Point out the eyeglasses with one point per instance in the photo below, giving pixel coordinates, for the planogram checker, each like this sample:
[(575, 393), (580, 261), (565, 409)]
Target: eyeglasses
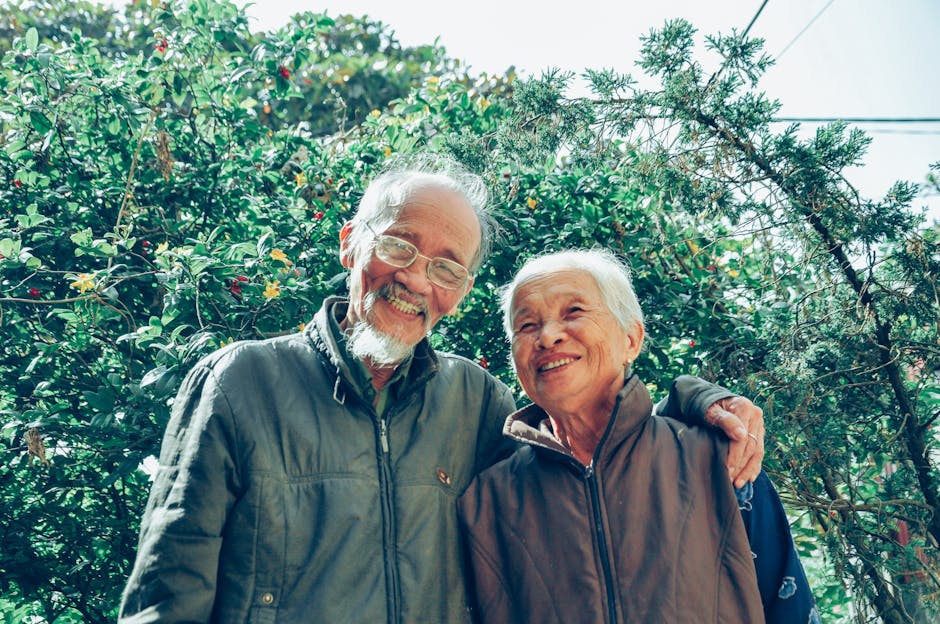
[(402, 254)]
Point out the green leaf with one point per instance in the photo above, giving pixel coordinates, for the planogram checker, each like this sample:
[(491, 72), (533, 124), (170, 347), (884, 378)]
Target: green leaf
[(9, 248), (40, 122), (32, 39)]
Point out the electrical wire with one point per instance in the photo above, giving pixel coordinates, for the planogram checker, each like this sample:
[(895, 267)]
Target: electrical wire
[(805, 28), (884, 120), (741, 38)]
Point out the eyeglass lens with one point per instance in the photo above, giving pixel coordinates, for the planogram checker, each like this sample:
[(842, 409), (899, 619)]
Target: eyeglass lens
[(401, 253)]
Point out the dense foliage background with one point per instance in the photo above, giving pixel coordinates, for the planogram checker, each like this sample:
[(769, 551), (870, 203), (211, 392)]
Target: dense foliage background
[(171, 182)]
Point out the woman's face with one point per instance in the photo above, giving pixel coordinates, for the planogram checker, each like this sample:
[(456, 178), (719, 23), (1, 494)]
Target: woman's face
[(568, 348)]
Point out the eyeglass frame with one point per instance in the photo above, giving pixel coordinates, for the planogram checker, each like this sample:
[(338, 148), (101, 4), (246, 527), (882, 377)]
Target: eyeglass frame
[(417, 254)]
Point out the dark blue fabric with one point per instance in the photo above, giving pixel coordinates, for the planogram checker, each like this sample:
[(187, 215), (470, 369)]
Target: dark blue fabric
[(783, 586)]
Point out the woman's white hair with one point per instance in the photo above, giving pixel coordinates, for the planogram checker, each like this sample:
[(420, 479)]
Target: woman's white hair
[(610, 273), (390, 191)]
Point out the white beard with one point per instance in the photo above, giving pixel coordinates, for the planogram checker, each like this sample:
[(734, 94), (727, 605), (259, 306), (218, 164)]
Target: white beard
[(366, 343)]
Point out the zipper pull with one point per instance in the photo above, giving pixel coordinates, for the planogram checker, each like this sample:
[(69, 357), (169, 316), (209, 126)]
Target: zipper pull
[(383, 435), (589, 471)]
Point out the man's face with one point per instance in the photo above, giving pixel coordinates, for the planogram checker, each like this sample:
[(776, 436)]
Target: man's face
[(401, 303), (568, 349)]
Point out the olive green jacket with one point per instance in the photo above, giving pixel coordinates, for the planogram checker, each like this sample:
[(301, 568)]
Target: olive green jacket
[(283, 497)]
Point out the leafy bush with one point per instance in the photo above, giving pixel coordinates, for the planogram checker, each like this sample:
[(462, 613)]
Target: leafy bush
[(171, 182)]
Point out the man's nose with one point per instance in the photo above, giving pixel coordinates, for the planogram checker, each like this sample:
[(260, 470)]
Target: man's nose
[(415, 276)]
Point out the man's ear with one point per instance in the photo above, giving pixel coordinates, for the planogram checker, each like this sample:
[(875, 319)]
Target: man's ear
[(466, 290), (345, 253)]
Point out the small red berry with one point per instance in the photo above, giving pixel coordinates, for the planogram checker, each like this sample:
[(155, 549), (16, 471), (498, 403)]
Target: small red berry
[(691, 343), (285, 73), (34, 293), (242, 278), (145, 244), (483, 362), (318, 215), (17, 184)]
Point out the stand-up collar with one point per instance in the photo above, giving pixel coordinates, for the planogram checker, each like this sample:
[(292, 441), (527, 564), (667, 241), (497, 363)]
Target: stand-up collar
[(633, 407), (327, 336)]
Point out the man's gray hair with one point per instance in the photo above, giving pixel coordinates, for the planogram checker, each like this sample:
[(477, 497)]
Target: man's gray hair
[(610, 273), (389, 192)]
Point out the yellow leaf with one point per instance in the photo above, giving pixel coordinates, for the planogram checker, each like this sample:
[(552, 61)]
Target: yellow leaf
[(300, 178), (375, 113), (531, 203), (734, 272), (162, 247)]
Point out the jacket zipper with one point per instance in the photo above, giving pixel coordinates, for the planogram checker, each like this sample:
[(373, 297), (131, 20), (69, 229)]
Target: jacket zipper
[(598, 520), (392, 585)]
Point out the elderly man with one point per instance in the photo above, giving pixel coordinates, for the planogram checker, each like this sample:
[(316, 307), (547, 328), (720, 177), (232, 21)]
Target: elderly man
[(608, 513), (313, 477)]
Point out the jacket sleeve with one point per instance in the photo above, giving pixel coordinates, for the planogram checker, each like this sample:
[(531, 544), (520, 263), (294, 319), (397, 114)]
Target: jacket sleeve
[(174, 575), (785, 592), (688, 399), (492, 445)]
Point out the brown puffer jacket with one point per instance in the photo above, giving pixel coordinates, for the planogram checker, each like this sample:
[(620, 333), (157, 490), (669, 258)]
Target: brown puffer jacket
[(650, 532)]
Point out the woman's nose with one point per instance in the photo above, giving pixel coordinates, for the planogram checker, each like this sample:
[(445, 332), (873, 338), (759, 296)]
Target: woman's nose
[(552, 333)]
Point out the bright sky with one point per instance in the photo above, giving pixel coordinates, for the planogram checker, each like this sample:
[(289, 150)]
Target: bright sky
[(837, 58)]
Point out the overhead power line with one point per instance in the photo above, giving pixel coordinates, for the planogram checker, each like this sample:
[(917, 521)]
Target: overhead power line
[(740, 38), (905, 132), (888, 120), (756, 15), (805, 28)]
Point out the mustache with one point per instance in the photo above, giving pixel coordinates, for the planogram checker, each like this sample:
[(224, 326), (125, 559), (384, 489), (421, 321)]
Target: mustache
[(400, 292)]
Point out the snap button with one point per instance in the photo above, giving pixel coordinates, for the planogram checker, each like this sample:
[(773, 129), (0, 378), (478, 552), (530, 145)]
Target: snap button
[(267, 598), (443, 477)]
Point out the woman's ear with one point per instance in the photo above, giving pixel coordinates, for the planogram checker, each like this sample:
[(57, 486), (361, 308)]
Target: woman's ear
[(634, 342), (345, 253)]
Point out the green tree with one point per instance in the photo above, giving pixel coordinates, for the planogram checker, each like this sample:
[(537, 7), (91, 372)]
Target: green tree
[(171, 181), (820, 303)]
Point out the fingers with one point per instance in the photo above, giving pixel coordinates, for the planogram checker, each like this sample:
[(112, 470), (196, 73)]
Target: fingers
[(752, 465), (743, 423), (753, 456), (730, 424)]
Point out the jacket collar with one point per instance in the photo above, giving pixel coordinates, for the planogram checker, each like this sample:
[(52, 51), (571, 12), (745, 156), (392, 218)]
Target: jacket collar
[(422, 366), (530, 425)]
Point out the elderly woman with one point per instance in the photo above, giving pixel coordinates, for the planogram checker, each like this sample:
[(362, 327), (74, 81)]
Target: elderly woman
[(607, 512)]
